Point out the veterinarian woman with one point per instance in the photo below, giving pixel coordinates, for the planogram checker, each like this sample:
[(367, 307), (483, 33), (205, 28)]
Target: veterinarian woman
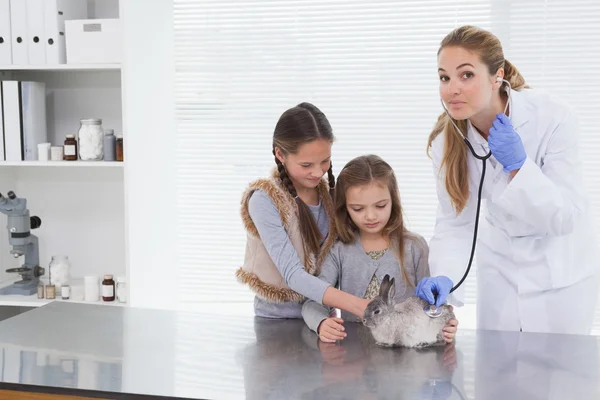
[(537, 257)]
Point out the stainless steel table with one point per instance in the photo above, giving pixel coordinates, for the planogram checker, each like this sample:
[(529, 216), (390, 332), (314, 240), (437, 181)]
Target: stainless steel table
[(115, 352)]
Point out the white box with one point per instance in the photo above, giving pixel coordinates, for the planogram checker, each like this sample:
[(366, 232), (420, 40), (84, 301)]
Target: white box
[(93, 41)]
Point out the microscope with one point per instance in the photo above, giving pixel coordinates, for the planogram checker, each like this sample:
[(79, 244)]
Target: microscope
[(23, 243)]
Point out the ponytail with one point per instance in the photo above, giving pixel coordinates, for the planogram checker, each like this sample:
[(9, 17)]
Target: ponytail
[(514, 77)]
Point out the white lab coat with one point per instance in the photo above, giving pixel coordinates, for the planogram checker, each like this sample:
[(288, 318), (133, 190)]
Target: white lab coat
[(537, 256)]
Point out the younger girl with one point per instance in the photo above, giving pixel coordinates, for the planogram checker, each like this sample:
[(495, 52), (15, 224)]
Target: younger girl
[(373, 243), (289, 220)]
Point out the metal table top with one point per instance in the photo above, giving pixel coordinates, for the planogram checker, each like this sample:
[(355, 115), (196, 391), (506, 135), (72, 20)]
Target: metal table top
[(116, 352)]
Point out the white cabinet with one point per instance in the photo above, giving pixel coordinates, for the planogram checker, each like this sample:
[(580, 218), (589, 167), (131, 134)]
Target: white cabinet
[(81, 204)]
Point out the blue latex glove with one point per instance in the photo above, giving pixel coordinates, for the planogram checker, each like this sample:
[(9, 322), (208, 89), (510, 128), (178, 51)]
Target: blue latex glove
[(505, 144), (428, 288)]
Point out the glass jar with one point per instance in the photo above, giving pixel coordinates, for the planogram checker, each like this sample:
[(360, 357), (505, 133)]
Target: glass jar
[(59, 270), (50, 292), (122, 289), (70, 149), (91, 140)]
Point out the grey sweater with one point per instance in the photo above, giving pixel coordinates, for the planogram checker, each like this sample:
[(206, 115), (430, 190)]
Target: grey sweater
[(349, 268), (267, 220)]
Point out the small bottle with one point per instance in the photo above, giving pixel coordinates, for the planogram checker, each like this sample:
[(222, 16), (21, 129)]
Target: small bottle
[(91, 288), (119, 148), (65, 292), (70, 148), (108, 288), (40, 290), (110, 145), (50, 292), (122, 289)]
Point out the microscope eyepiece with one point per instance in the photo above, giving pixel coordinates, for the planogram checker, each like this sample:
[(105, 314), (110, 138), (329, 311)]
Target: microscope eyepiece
[(35, 222), (12, 195)]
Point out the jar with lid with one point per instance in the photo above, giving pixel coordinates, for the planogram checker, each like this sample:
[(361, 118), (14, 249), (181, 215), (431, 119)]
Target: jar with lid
[(59, 270), (122, 289), (91, 140), (70, 148), (110, 145), (108, 288), (119, 148)]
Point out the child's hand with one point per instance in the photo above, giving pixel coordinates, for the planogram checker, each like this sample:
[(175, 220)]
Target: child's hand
[(331, 329), (450, 330)]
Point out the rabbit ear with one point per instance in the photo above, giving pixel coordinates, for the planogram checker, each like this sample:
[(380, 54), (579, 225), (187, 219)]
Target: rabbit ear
[(391, 292), (384, 290)]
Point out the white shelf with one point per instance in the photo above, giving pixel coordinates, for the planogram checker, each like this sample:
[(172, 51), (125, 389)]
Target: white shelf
[(64, 164), (33, 301), (61, 67)]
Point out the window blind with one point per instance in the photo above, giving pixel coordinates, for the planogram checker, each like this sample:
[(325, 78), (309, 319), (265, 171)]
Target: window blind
[(371, 68)]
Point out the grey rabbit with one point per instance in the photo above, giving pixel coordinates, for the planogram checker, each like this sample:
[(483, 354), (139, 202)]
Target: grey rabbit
[(403, 324)]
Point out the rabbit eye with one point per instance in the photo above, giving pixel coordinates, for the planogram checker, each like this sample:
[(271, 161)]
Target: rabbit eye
[(377, 312)]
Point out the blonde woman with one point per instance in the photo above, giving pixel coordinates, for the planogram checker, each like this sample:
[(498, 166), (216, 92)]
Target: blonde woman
[(537, 255)]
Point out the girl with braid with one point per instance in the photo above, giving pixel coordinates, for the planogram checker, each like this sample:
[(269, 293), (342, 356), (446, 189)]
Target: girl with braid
[(289, 221)]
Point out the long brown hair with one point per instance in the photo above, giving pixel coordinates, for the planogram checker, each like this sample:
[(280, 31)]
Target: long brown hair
[(296, 126), (489, 49), (361, 171)]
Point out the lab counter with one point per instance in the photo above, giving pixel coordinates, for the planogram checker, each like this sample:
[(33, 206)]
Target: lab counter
[(93, 351)]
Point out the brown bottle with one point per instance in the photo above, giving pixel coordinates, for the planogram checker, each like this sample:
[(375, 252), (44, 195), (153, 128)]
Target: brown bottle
[(70, 150), (108, 288), (119, 147)]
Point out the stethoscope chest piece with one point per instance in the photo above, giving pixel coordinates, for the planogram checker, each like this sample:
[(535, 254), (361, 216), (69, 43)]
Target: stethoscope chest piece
[(432, 311)]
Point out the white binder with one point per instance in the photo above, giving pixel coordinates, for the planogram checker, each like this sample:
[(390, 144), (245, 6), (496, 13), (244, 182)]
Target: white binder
[(18, 24), (11, 109), (35, 31), (55, 14), (2, 152), (24, 112), (33, 117), (5, 35)]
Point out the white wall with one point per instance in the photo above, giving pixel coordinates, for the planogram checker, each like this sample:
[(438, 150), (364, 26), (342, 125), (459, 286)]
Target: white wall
[(151, 200), (103, 8)]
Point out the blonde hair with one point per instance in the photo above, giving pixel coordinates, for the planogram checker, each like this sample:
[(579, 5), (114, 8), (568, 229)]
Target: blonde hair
[(361, 171), (489, 49)]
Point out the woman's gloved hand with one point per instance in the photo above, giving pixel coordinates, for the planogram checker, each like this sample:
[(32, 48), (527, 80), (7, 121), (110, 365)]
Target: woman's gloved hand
[(505, 144), (428, 288)]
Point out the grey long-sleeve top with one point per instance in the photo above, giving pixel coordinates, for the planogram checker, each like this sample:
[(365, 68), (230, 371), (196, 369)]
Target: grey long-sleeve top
[(351, 269), (268, 222)]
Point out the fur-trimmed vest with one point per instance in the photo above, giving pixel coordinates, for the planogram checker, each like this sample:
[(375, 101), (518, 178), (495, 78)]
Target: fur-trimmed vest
[(259, 271)]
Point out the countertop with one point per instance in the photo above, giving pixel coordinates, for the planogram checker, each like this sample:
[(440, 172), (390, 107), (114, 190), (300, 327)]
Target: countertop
[(119, 352)]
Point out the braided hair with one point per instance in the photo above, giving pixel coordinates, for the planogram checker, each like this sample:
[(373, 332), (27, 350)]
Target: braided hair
[(296, 126)]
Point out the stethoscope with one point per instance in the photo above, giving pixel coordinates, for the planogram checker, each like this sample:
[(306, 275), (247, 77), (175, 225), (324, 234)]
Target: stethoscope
[(431, 310)]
